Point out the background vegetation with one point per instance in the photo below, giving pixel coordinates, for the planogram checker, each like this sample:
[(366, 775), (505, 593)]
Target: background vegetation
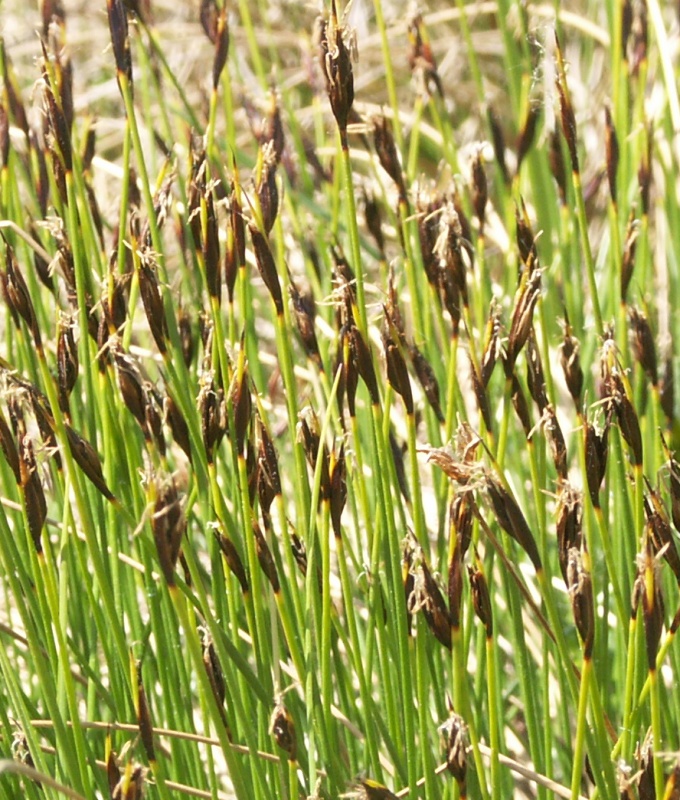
[(337, 400)]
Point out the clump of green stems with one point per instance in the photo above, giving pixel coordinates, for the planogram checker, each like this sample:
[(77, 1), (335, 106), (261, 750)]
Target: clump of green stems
[(336, 402)]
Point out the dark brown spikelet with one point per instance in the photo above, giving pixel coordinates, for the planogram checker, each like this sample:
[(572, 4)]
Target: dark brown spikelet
[(660, 533), (569, 521), (130, 384), (266, 188), (526, 241), (374, 221), (526, 298), (4, 137), (397, 372), (304, 314), (233, 559), (611, 144), (118, 26), (186, 335), (221, 42), (386, 149), (267, 267), (626, 415), (674, 490), (397, 450), (642, 341), (455, 580), (9, 447), (57, 123), (168, 524), (243, 409), (558, 446), (34, 495), (144, 719), (645, 173), (527, 133), (264, 556), (498, 142), (213, 669), (213, 413), (492, 344), (652, 601), (428, 381), (427, 597), (268, 463), (363, 362), (511, 519), (667, 389), (568, 118), (282, 729), (337, 69), (519, 403), (535, 374), (480, 190), (372, 790), (177, 424), (557, 167), (481, 600), (338, 492), (596, 459), (580, 587), (454, 734), (211, 250), (150, 292), (235, 251), (87, 459), (481, 396), (18, 297), (628, 258), (571, 365)]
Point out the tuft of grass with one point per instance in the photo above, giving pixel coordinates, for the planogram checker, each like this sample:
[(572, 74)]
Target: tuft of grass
[(337, 405)]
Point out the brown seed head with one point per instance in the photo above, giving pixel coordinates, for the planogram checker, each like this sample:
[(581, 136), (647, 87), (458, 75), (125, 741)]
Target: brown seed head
[(521, 324), (571, 364), (498, 142), (427, 597), (338, 490), (480, 191), (580, 588), (144, 718), (233, 559), (363, 363), (659, 532), (264, 556), (629, 250), (642, 341), (213, 412), (521, 406), (282, 729), (337, 68), (481, 600), (454, 735), (428, 381), (267, 267), (118, 26), (511, 519), (566, 110), (611, 143), (528, 132), (557, 166), (652, 600), (178, 426), (87, 459), (397, 372), (386, 149), (169, 525), (150, 292), (569, 520)]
